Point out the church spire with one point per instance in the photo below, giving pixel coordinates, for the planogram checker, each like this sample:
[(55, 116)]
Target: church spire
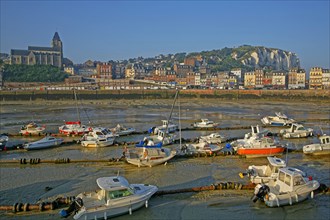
[(56, 37)]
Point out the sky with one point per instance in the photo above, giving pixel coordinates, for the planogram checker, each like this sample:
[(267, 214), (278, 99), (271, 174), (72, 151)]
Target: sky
[(117, 30)]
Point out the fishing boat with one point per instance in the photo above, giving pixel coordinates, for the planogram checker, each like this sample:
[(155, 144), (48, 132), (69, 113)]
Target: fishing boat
[(167, 125), (74, 128), (205, 123), (296, 131), (213, 138), (32, 129), (200, 148), (279, 119), (321, 148), (46, 142), (98, 137), (289, 187), (264, 173), (121, 130), (3, 141), (115, 197), (164, 137), (149, 155)]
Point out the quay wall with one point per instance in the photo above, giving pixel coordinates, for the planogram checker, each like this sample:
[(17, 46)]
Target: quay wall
[(28, 95)]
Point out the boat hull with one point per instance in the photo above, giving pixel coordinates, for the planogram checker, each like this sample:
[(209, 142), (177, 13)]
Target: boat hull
[(42, 145), (260, 152)]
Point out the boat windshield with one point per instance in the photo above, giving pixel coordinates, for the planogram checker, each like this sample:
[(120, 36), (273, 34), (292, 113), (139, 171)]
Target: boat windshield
[(118, 194)]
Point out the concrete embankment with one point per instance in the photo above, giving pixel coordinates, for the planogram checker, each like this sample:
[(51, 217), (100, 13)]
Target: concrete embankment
[(285, 95)]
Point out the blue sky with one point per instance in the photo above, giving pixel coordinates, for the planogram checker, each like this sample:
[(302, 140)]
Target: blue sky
[(115, 30)]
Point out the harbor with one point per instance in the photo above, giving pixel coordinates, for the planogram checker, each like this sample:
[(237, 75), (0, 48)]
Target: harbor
[(69, 169)]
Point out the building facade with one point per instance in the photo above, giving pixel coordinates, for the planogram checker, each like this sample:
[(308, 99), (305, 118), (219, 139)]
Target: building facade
[(40, 55), (315, 78)]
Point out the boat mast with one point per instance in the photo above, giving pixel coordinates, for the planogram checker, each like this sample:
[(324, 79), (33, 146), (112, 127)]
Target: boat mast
[(76, 101), (168, 121)]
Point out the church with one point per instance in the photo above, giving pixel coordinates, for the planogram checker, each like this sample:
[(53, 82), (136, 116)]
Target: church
[(36, 55)]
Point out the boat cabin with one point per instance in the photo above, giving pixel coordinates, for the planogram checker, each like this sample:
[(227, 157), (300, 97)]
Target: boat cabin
[(325, 139), (288, 179), (113, 188)]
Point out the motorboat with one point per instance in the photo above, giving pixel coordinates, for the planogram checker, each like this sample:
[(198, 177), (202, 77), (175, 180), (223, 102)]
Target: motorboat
[(257, 144), (149, 155), (264, 173), (205, 123), (3, 141), (171, 127), (121, 130), (164, 137), (260, 147), (213, 138), (74, 128), (279, 119), (98, 137), (46, 142), (200, 148), (32, 129), (115, 197), (321, 148), (289, 187), (296, 131)]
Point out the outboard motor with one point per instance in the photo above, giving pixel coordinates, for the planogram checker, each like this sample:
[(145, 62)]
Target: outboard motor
[(260, 192), (73, 208)]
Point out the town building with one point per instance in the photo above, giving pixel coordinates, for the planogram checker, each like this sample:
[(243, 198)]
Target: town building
[(69, 69), (40, 55), (325, 78), (279, 80), (104, 70), (315, 78), (182, 70), (296, 78), (259, 75), (249, 80)]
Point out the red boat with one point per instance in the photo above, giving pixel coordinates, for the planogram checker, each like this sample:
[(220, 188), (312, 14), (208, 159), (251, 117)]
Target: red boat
[(260, 152), (74, 127)]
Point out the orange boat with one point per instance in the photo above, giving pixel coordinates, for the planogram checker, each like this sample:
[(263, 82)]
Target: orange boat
[(260, 152)]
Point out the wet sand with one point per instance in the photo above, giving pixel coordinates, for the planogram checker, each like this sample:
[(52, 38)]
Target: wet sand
[(27, 183)]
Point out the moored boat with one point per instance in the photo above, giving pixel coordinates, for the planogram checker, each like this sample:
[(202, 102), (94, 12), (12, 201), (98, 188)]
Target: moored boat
[(322, 148), (279, 120), (115, 197), (200, 148), (98, 137), (74, 128), (46, 142), (264, 173), (205, 123), (32, 129), (171, 127), (289, 187), (149, 155), (121, 130), (213, 138), (3, 141), (296, 131)]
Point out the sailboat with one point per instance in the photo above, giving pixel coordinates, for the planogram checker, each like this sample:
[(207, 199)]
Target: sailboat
[(74, 127), (147, 153)]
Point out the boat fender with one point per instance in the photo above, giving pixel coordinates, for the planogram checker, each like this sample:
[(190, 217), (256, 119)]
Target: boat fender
[(26, 207), (19, 207), (130, 210), (146, 204), (14, 207), (41, 206)]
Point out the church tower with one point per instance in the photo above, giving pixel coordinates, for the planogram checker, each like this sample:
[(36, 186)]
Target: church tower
[(58, 46)]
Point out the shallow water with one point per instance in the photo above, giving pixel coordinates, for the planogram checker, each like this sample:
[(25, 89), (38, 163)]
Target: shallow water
[(27, 183)]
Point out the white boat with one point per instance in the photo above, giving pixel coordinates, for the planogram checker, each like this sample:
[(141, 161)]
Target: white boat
[(149, 155), (32, 129), (46, 142), (205, 123), (200, 148), (289, 187), (264, 173), (213, 138), (74, 128), (115, 197), (3, 141), (164, 137), (171, 127), (279, 120), (321, 148), (98, 137), (296, 131), (121, 130)]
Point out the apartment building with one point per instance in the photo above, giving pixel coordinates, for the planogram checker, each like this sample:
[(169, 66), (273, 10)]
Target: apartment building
[(259, 75), (315, 78), (279, 80), (104, 70), (249, 80), (325, 78)]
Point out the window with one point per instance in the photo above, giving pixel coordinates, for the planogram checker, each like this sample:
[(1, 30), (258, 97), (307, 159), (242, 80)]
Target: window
[(118, 194), (281, 176)]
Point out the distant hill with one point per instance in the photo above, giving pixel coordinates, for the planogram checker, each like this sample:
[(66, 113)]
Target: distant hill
[(249, 57), (246, 57)]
